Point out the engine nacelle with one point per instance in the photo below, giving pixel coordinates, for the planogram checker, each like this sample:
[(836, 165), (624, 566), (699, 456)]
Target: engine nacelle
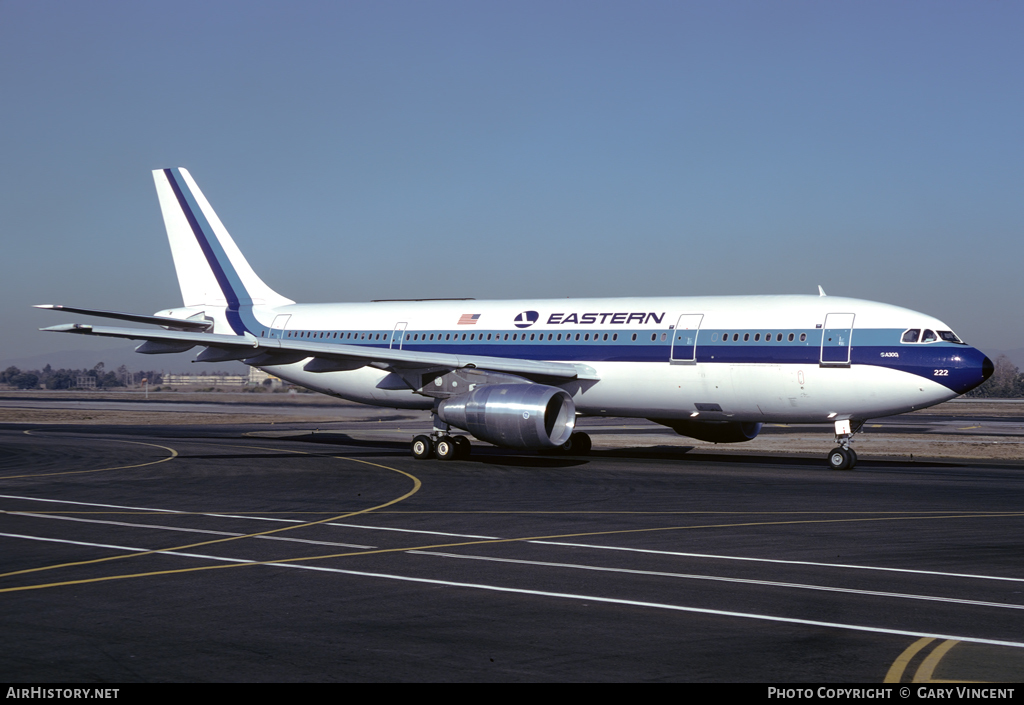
[(513, 415), (713, 431)]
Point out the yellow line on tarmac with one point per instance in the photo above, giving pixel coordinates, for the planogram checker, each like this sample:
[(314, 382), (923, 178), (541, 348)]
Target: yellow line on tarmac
[(427, 547), (416, 487), (895, 673), (927, 667), (172, 456)]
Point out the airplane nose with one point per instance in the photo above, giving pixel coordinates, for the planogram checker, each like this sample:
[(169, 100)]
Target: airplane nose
[(987, 368), (974, 369)]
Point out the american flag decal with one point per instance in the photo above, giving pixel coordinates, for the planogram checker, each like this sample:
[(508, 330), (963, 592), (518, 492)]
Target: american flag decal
[(468, 319)]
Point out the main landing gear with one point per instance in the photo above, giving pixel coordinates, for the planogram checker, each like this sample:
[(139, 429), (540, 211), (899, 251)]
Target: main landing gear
[(440, 444), (844, 457), (578, 444)]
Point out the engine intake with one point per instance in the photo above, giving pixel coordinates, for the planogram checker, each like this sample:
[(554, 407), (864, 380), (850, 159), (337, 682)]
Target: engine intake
[(513, 415), (713, 431)]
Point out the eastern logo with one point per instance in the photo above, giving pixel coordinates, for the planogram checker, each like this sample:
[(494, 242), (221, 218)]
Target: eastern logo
[(526, 319)]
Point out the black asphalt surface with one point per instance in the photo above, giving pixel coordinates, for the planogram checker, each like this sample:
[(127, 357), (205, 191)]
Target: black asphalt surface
[(127, 555)]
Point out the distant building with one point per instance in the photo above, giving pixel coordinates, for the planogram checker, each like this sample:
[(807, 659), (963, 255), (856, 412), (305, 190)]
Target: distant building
[(85, 382), (262, 379), (205, 380)]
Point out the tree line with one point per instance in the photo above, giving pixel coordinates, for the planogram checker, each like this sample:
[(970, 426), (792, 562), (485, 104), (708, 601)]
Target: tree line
[(49, 378), (1006, 382)]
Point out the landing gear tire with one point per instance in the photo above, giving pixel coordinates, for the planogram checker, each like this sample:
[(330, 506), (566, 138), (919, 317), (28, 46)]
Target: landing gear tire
[(422, 447), (578, 444), (446, 448), (462, 447), (842, 459)]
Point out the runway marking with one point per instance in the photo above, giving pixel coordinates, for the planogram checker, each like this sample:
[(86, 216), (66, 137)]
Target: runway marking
[(233, 562), (723, 579), (218, 515), (927, 668), (428, 547), (924, 515), (416, 487), (122, 548), (173, 455), (777, 560), (179, 528), (895, 674)]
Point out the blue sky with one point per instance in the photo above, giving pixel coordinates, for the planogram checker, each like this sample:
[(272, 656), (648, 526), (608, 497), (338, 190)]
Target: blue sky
[(362, 150)]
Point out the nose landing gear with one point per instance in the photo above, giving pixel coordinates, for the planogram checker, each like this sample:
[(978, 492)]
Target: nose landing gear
[(844, 457)]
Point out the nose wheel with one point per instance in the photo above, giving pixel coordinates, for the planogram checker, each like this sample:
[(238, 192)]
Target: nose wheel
[(844, 457)]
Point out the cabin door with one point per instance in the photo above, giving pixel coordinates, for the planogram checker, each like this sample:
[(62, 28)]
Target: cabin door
[(277, 328), (684, 339), (835, 339), (398, 336)]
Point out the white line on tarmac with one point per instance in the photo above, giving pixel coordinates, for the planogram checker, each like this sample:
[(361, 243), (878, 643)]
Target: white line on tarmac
[(784, 562), (723, 579), (179, 528), (578, 597), (555, 543)]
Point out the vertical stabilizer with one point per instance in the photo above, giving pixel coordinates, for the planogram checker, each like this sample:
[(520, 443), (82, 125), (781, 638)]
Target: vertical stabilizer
[(211, 269)]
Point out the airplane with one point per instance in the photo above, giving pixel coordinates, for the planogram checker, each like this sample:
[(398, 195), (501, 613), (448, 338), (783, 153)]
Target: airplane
[(518, 373)]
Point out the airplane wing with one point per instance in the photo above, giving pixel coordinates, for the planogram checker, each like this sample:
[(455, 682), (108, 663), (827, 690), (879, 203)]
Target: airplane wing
[(326, 357)]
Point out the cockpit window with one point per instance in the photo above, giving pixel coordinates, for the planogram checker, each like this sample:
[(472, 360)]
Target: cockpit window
[(928, 336), (950, 337), (912, 335)]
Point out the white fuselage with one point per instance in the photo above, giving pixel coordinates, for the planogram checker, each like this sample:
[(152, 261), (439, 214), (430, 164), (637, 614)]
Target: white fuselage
[(742, 358)]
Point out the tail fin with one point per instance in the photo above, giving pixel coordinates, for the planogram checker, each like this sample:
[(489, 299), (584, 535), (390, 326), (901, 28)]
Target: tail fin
[(211, 269)]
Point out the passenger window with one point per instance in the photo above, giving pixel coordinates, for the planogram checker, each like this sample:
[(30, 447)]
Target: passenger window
[(803, 337), (746, 337), (778, 338), (654, 336), (757, 337), (634, 336), (550, 336), (929, 336), (735, 337), (663, 337), (615, 336), (532, 336), (577, 336), (790, 337), (911, 335), (559, 337)]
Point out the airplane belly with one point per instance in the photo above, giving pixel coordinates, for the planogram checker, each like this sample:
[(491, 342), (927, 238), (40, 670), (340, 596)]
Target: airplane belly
[(753, 392), (363, 385)]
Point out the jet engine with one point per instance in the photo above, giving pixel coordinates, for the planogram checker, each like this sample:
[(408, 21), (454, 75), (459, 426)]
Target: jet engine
[(513, 415), (713, 431)]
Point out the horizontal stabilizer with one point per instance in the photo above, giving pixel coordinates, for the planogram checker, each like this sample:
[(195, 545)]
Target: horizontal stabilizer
[(177, 323)]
